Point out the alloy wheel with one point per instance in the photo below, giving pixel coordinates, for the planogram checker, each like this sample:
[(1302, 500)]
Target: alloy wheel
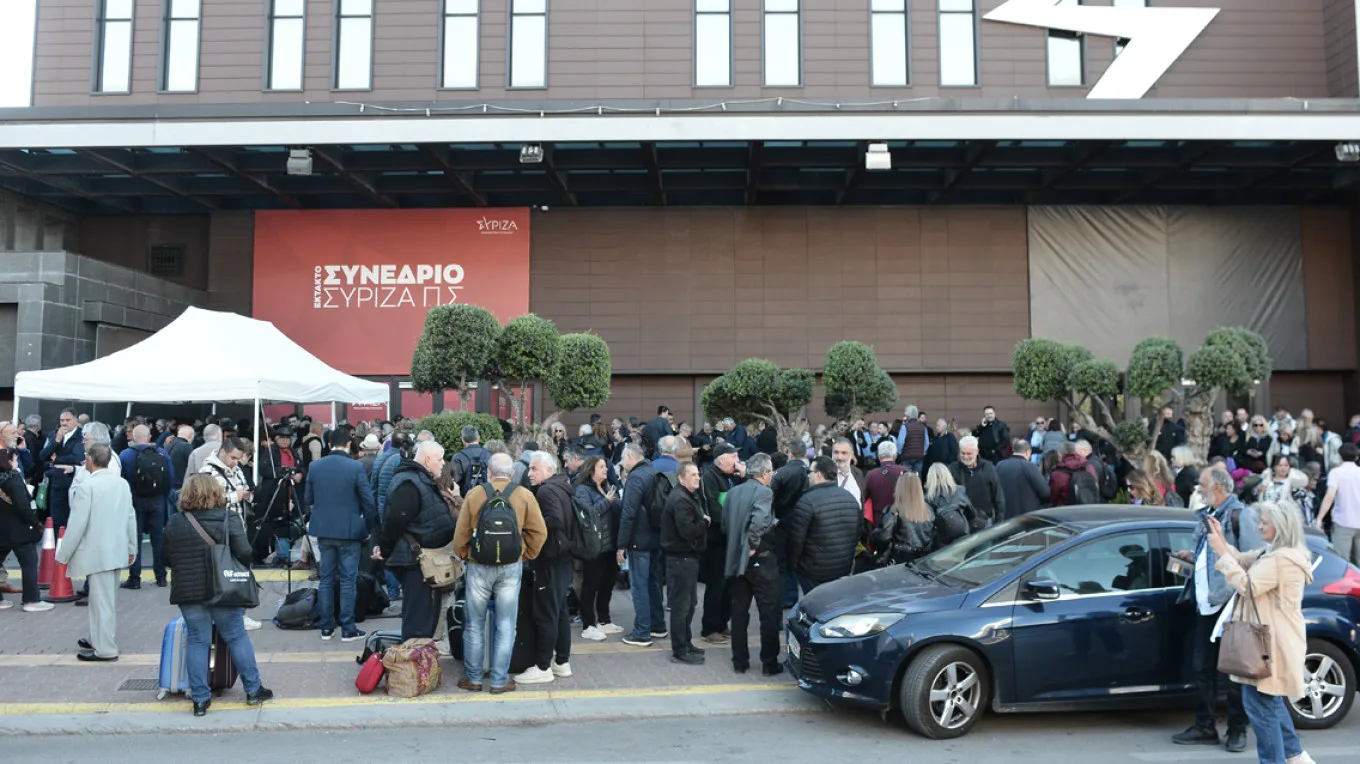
[(1324, 684), (955, 695)]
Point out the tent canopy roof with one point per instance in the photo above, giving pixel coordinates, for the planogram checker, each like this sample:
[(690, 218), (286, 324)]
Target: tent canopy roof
[(204, 356)]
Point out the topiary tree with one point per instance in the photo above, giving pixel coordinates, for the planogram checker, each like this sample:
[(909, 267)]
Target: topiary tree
[(455, 351), (526, 350), (854, 384), (756, 390), (448, 429), (1056, 372), (1156, 368), (580, 375), (1232, 360)]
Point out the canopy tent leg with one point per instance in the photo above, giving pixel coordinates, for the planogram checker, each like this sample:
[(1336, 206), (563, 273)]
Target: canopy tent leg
[(333, 420), (389, 410), (14, 420), (254, 463), (214, 409), (128, 415)]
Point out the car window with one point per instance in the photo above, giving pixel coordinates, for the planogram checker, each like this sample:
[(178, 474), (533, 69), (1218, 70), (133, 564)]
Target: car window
[(983, 557), (1110, 564), (1179, 541)]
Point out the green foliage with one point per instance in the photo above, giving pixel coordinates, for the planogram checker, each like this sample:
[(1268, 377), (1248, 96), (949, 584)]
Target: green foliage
[(1251, 348), (752, 388), (1095, 377), (854, 383), (526, 348), (1156, 366), (1043, 368), (456, 348), (1218, 366), (580, 375), (1130, 436), (448, 429)]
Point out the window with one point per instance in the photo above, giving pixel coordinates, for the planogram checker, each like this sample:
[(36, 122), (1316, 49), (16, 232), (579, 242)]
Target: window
[(354, 48), (528, 43), (713, 43), (888, 43), (165, 260), (1114, 564), (1066, 54), (783, 46), (1121, 42), (179, 60), (287, 22), (460, 33), (958, 43), (982, 557), (115, 47)]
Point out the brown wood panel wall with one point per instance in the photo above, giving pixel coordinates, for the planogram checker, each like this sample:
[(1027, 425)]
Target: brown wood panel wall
[(1329, 288), (1323, 392)]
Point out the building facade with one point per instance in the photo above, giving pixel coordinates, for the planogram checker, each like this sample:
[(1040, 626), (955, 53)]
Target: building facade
[(701, 181)]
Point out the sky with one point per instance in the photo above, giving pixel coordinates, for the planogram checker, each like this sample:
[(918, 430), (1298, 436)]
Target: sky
[(16, 51)]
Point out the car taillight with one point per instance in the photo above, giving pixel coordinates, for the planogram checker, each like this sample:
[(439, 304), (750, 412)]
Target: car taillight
[(1348, 584)]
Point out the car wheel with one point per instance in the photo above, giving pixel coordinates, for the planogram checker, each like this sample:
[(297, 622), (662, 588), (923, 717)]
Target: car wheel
[(943, 691), (1329, 681)]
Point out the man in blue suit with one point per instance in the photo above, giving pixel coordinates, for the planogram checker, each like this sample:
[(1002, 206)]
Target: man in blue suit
[(344, 514), (64, 452)]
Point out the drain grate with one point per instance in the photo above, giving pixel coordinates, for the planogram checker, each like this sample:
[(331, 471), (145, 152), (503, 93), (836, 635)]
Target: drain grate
[(140, 685)]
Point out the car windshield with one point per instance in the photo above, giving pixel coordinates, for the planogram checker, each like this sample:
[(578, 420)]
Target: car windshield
[(985, 556)]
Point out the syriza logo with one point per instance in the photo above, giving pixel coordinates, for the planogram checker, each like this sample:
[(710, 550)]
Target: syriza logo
[(501, 227), (386, 286)]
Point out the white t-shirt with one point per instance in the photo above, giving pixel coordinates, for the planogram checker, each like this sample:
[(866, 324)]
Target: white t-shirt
[(847, 481)]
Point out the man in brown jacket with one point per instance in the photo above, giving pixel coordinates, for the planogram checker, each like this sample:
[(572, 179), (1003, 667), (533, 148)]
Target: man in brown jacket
[(503, 580)]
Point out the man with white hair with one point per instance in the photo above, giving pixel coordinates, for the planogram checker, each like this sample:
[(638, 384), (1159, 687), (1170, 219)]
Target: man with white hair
[(212, 440), (417, 517), (881, 482), (977, 477), (552, 571), (912, 440), (149, 473), (180, 448), (665, 460)]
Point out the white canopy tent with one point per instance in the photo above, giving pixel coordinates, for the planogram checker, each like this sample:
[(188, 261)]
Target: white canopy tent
[(204, 356)]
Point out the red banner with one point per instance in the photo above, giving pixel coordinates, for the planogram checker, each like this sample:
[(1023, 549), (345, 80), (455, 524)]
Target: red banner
[(353, 286)]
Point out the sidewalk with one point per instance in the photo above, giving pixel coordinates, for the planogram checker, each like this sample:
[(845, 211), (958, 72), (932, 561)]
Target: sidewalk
[(44, 689)]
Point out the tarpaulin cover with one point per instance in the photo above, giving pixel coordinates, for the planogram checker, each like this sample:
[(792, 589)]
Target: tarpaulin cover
[(1107, 277)]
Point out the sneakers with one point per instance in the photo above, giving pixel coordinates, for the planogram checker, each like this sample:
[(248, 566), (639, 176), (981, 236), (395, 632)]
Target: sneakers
[(662, 634), (593, 634), (610, 630), (1196, 735), (534, 675), (690, 658), (1302, 758), (38, 607), (259, 696), (772, 669), (1236, 741), (637, 641), (442, 645), (131, 583), (6, 604), (353, 636), (251, 623), (326, 634), (561, 670)]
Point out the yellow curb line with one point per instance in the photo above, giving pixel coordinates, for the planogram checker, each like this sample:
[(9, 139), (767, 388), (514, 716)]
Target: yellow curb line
[(47, 709)]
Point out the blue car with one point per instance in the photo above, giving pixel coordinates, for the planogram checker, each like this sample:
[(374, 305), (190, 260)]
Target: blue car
[(1063, 609)]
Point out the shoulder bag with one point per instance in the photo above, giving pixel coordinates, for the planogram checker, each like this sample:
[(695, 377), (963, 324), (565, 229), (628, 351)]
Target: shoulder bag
[(1244, 648), (440, 567), (233, 584)]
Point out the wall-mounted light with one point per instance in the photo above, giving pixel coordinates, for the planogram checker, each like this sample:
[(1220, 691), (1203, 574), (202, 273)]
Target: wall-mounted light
[(531, 153), (1348, 151), (300, 162), (878, 157)]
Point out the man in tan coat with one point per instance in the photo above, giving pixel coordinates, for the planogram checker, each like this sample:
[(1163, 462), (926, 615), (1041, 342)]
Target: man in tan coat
[(101, 540)]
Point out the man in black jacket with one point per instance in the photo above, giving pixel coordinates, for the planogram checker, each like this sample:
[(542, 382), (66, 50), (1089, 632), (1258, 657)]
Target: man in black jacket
[(977, 477), (64, 452), (721, 475), (752, 571), (788, 485), (823, 529), (684, 538), (415, 508), (552, 574), (1022, 485), (993, 436), (642, 543), (656, 430)]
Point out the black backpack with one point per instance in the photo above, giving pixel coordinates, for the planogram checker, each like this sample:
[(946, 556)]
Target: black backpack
[(584, 535), (300, 610), (496, 539), (1081, 488), (662, 485), (1109, 483), (474, 471), (150, 473)]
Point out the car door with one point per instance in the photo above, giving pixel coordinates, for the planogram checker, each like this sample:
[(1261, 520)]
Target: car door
[(1178, 631), (1102, 634)]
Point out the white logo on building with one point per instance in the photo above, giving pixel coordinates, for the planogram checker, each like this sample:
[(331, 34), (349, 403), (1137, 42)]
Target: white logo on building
[(1156, 37), (386, 285), (502, 226)]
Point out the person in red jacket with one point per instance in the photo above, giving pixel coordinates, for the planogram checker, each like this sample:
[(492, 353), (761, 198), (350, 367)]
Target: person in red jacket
[(1060, 479)]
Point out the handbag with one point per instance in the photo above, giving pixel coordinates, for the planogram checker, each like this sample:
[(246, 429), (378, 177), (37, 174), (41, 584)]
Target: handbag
[(439, 566), (1244, 648), (233, 584), (40, 496)]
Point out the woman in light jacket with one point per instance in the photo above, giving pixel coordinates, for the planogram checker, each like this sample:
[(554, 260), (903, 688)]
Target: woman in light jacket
[(1278, 575)]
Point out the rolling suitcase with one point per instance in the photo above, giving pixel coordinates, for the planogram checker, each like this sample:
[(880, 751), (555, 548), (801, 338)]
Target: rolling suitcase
[(221, 671), (174, 663)]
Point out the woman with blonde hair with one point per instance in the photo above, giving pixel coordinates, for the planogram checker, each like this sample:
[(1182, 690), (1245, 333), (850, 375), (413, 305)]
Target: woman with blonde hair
[(946, 497), (1186, 466), (1270, 584), (909, 524), (1144, 489), (1155, 465)]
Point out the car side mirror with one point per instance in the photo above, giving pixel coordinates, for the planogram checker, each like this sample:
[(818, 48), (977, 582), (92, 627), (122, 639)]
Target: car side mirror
[(1042, 589)]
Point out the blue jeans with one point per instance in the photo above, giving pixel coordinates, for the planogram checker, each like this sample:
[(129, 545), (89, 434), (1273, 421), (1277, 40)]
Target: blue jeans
[(344, 555), (915, 465), (644, 580), (198, 621), (484, 582), (1276, 740)]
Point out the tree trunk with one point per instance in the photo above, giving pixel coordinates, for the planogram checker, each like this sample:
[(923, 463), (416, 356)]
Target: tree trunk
[(1199, 422)]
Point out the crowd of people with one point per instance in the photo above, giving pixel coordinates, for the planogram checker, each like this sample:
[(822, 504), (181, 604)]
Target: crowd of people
[(753, 519)]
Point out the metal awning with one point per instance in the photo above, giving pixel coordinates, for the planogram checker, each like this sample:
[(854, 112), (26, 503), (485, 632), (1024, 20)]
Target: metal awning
[(196, 179)]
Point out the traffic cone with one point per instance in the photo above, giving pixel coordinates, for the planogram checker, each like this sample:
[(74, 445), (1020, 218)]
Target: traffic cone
[(48, 563), (61, 590)]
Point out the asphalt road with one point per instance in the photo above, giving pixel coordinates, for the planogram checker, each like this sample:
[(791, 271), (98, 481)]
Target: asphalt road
[(837, 736)]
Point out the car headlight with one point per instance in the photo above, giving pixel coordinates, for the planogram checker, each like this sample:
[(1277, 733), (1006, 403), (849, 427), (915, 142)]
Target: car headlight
[(858, 625)]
